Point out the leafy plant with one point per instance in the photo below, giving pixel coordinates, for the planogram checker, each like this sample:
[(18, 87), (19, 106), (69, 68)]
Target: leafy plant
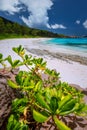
[(2, 61), (14, 63), (42, 99), (13, 124)]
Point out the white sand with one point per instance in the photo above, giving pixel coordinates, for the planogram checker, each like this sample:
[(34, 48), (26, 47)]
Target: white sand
[(72, 72)]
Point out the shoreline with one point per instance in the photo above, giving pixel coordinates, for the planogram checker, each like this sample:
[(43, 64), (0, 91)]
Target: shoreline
[(62, 56), (72, 67)]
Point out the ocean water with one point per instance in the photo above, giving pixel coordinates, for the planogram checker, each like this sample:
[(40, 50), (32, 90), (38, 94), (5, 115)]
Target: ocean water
[(74, 44)]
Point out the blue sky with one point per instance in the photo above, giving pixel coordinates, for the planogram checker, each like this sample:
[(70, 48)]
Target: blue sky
[(67, 17)]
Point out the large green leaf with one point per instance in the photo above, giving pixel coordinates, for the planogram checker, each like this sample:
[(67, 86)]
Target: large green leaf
[(60, 124), (54, 104), (69, 105), (39, 117), (73, 110)]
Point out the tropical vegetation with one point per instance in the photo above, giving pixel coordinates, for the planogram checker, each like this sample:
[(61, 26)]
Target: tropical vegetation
[(9, 29), (42, 98)]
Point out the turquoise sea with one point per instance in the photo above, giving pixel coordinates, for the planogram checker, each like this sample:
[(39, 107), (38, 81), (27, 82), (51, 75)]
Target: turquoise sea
[(75, 44)]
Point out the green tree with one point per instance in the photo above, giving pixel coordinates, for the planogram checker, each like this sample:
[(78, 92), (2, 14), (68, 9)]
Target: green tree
[(9, 28), (17, 28), (24, 30), (2, 26)]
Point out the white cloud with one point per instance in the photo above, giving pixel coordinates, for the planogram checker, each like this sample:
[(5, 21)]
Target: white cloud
[(85, 24), (77, 22), (11, 6), (37, 11), (56, 26)]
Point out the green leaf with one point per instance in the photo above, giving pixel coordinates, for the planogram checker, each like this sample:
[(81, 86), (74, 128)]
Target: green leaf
[(19, 48), (15, 49), (38, 86), (82, 110), (73, 110), (28, 88), (24, 127), (13, 124), (19, 78), (60, 124), (39, 117), (26, 81), (12, 84), (10, 122), (9, 59), (1, 56), (54, 104), (26, 57), (23, 79), (59, 93), (41, 101), (19, 105), (65, 100), (16, 126), (47, 95), (69, 105), (16, 62)]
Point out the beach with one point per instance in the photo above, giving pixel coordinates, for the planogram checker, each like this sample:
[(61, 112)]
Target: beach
[(72, 66)]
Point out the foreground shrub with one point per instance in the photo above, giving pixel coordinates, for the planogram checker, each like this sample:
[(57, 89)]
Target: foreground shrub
[(44, 96)]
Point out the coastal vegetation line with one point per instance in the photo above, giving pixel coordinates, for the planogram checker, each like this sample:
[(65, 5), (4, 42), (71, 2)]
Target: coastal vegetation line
[(9, 29)]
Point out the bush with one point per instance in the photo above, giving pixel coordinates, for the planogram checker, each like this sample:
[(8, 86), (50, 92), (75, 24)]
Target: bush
[(42, 98)]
